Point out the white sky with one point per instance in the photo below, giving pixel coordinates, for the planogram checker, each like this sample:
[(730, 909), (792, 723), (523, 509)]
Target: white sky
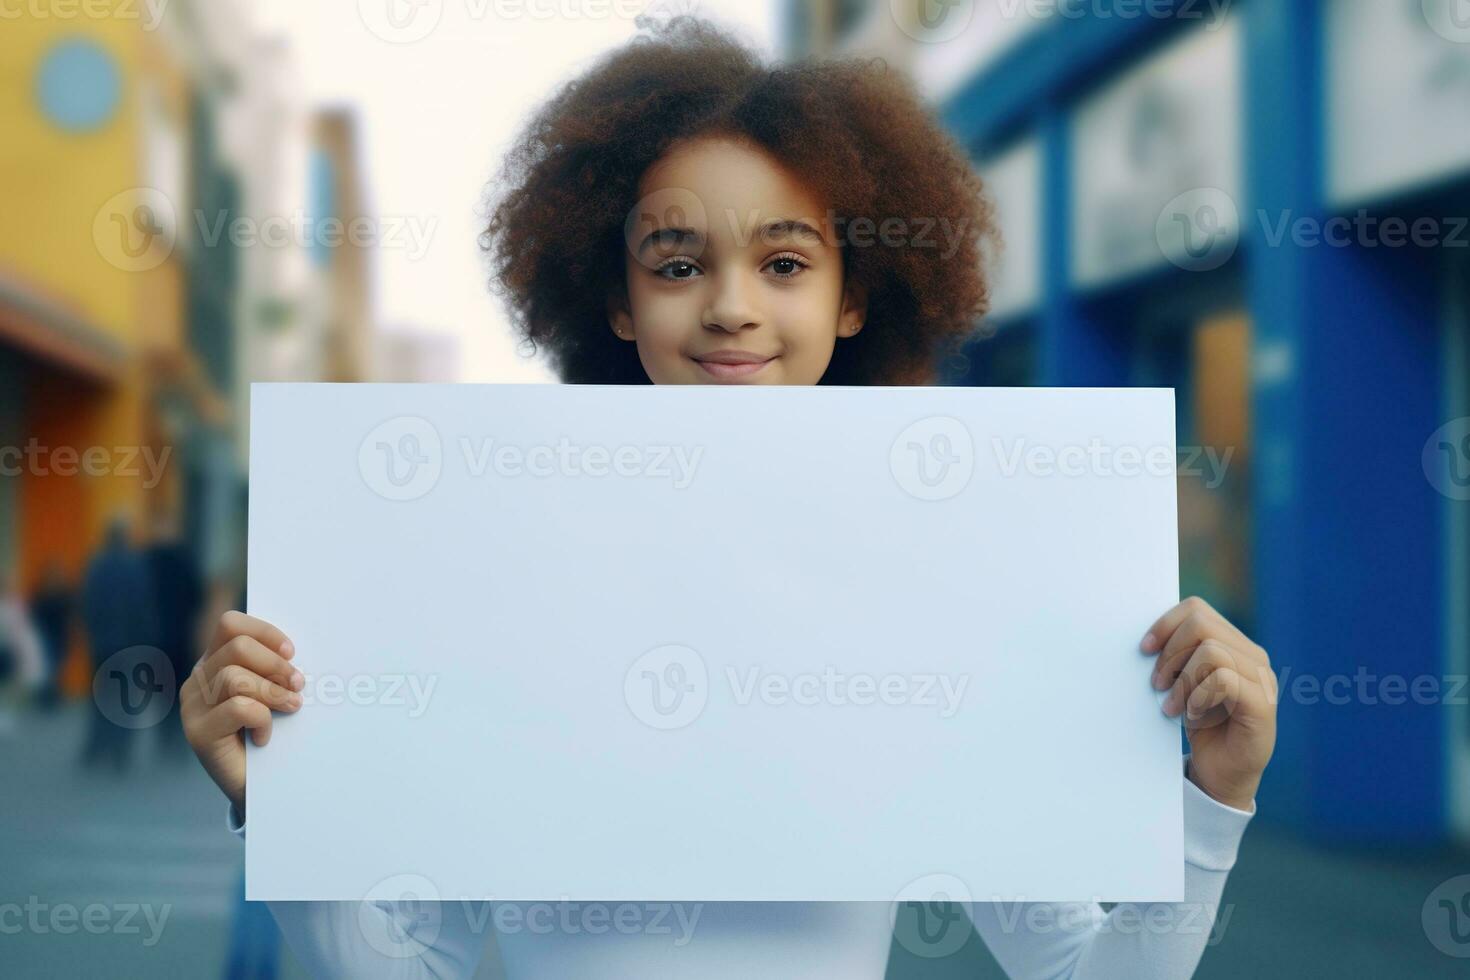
[(437, 114)]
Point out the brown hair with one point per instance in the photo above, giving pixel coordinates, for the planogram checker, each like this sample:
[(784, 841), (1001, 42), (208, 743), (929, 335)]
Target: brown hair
[(854, 129)]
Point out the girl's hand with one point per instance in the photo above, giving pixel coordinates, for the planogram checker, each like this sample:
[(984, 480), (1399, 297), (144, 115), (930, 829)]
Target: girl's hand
[(245, 674), (1223, 685)]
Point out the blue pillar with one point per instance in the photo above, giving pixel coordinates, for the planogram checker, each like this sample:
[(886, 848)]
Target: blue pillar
[(1348, 537), (1077, 345)]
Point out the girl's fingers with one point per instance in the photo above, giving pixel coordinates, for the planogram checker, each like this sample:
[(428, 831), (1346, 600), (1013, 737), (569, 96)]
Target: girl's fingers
[(232, 680), (1158, 634), (235, 624), (233, 715), (252, 655), (1208, 658), (1219, 692), (1181, 645)]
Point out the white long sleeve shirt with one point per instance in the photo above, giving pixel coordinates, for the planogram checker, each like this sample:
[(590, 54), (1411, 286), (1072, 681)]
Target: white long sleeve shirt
[(773, 941)]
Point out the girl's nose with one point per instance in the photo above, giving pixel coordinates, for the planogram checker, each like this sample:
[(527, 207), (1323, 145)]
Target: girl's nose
[(728, 309)]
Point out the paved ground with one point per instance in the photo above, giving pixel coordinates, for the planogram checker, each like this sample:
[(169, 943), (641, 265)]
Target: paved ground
[(148, 851)]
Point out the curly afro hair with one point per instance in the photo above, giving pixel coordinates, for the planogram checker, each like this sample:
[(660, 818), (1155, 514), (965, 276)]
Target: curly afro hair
[(855, 130)]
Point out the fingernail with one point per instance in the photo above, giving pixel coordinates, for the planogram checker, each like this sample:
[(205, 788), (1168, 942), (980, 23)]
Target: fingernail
[(288, 649), (298, 680), (1147, 645), (294, 701), (1161, 683)]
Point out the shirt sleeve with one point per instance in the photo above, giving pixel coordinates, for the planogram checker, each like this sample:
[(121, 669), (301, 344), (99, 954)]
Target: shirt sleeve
[(1149, 941), (407, 940)]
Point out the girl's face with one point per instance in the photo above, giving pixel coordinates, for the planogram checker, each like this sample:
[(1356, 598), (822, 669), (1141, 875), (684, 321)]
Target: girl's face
[(733, 273)]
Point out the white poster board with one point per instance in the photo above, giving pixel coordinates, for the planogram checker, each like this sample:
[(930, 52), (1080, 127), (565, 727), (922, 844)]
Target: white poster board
[(708, 643)]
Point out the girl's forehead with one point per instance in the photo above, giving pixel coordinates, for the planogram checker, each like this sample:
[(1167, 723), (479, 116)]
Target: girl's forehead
[(727, 176)]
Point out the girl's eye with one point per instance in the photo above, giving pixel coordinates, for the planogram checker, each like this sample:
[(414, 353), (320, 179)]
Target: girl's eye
[(677, 269), (787, 266)]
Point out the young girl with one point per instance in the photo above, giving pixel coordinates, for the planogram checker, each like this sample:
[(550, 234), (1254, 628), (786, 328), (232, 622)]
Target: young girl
[(682, 214)]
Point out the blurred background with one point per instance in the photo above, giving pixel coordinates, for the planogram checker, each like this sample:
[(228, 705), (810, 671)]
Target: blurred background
[(1264, 204)]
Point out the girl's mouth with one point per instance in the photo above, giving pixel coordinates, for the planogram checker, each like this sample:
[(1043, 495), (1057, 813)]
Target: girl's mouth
[(730, 365)]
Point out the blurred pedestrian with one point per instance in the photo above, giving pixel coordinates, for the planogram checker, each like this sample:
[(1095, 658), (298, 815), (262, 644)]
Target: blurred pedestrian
[(117, 610), (52, 609), (178, 594), (22, 665)]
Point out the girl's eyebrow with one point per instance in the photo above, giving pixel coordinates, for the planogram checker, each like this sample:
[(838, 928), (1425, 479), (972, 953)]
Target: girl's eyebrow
[(788, 228), (669, 236), (771, 231)]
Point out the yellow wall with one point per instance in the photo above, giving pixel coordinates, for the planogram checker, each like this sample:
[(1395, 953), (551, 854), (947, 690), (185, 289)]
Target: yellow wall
[(57, 181), (56, 185)]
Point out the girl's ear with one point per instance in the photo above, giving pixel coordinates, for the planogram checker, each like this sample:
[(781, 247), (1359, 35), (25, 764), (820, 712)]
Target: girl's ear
[(854, 310), (618, 316)]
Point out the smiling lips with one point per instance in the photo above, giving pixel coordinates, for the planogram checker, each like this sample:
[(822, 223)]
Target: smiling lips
[(732, 365)]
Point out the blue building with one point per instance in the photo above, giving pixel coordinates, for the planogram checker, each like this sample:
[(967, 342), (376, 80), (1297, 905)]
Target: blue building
[(1264, 205)]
